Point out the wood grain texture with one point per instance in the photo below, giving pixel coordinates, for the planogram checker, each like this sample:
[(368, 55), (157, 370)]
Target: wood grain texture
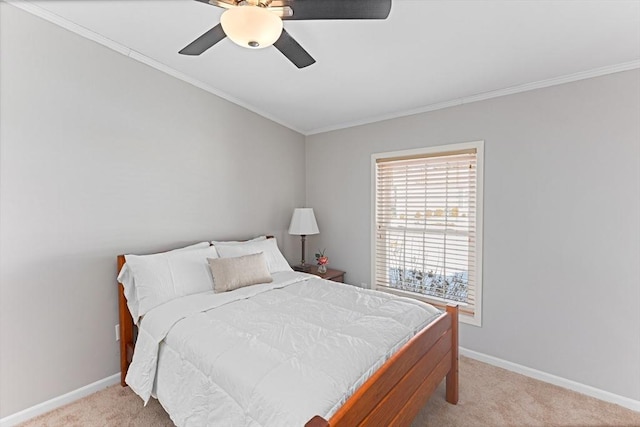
[(422, 394), (126, 329), (397, 390), (317, 421), (331, 274), (401, 394), (398, 398), (452, 375)]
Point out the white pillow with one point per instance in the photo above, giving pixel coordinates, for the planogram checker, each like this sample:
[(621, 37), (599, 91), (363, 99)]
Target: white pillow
[(275, 260), (160, 278), (126, 278), (239, 242)]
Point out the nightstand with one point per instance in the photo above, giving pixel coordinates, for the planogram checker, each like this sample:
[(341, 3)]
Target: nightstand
[(331, 274)]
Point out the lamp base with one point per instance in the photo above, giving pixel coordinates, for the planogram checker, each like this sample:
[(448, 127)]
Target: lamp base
[(305, 268)]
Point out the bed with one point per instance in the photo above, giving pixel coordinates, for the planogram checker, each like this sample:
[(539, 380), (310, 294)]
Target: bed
[(396, 386)]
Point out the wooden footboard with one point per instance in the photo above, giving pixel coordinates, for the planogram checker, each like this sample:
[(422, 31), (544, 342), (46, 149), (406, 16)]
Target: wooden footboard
[(396, 392)]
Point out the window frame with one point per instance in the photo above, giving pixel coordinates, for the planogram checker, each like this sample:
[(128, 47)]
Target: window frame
[(432, 151)]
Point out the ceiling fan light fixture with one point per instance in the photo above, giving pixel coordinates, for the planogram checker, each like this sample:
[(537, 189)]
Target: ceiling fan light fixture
[(253, 27)]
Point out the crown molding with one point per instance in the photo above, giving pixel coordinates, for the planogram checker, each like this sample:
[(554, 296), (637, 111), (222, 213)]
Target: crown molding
[(38, 11), (124, 50), (582, 75)]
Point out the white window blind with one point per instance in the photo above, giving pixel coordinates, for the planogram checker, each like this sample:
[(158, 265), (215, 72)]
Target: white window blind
[(426, 237)]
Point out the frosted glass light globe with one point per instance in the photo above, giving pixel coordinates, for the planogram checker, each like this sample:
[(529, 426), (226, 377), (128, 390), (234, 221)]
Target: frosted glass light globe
[(253, 27)]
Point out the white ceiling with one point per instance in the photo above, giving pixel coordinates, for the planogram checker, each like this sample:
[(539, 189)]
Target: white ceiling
[(426, 54)]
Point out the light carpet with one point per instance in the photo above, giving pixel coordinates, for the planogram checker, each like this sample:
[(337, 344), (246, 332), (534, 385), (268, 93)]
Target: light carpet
[(489, 396)]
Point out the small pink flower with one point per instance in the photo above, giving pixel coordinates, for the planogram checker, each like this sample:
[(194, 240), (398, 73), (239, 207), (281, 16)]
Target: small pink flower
[(321, 259)]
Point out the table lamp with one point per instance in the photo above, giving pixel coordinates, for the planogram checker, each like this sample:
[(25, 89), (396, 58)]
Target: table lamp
[(303, 223)]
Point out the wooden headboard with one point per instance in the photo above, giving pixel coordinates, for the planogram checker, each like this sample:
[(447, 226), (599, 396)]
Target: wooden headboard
[(127, 329)]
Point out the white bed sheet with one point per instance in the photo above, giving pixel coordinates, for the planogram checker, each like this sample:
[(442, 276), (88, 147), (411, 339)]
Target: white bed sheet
[(271, 354)]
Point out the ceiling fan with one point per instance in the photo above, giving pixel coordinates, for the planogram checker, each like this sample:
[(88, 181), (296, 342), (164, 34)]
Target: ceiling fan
[(257, 24)]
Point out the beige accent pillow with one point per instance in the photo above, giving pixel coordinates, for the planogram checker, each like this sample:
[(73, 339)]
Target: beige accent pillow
[(233, 273)]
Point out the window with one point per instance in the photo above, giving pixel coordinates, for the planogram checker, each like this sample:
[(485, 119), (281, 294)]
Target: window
[(427, 225)]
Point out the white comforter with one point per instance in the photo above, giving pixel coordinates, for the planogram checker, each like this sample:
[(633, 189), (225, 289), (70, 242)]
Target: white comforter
[(271, 354)]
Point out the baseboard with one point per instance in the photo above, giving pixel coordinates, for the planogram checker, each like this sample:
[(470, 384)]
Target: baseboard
[(59, 401), (72, 396), (553, 379)]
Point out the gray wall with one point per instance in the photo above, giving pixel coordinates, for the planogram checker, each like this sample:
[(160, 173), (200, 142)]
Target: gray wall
[(561, 220), (101, 155)]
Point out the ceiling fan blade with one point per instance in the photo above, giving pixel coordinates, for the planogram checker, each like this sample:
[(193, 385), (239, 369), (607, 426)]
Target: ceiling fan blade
[(205, 41), (293, 51), (336, 9), (224, 4), (281, 11), (220, 3)]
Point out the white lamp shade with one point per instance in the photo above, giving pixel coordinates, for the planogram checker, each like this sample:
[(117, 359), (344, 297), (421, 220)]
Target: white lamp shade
[(303, 222), (251, 26)]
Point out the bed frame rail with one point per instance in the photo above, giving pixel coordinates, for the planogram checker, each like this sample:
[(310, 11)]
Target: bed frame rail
[(126, 329), (394, 395)]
